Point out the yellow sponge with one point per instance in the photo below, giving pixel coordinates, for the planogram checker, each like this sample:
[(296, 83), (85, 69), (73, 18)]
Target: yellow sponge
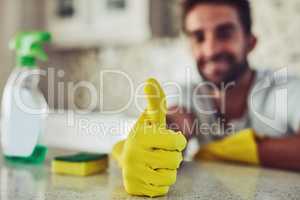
[(82, 164)]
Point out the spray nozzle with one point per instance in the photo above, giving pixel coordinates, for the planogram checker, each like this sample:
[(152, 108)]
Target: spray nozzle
[(29, 47)]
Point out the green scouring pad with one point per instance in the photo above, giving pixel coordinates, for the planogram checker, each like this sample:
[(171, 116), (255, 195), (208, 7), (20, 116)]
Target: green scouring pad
[(81, 164)]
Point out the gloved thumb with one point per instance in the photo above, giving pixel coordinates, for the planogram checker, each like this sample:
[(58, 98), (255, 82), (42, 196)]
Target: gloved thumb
[(157, 107)]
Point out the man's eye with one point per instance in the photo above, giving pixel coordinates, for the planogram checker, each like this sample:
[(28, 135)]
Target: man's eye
[(224, 34), (199, 37)]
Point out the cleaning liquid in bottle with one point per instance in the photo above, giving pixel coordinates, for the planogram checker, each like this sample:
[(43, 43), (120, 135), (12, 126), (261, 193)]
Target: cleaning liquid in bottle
[(24, 108)]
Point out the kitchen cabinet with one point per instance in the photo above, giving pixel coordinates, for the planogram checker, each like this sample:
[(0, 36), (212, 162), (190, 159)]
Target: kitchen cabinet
[(80, 23)]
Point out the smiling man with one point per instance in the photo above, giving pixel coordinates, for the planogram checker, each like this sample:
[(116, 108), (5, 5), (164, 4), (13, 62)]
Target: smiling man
[(236, 113), (256, 112)]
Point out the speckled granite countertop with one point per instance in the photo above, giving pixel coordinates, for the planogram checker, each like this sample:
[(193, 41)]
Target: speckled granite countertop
[(196, 180)]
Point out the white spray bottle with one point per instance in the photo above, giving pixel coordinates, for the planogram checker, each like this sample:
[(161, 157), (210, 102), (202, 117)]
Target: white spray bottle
[(24, 108)]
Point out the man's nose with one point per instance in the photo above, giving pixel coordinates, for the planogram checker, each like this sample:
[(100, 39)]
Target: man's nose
[(211, 46)]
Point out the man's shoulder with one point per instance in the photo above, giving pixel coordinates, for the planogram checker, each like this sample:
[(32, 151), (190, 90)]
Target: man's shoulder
[(273, 100), (276, 79), (269, 84)]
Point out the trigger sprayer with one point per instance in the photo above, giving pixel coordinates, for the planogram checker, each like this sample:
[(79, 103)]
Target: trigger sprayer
[(24, 108)]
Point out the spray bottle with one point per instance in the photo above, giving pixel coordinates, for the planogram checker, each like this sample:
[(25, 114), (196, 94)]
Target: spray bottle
[(24, 108)]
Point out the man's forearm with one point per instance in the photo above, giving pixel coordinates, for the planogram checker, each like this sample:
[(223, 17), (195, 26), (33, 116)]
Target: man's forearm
[(283, 153)]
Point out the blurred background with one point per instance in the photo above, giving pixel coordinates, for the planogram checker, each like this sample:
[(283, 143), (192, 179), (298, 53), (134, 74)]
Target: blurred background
[(141, 38)]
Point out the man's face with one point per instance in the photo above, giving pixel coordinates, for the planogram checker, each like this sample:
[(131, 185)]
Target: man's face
[(219, 43)]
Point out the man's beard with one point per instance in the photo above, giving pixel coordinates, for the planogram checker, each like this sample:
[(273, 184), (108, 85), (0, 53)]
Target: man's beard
[(236, 71)]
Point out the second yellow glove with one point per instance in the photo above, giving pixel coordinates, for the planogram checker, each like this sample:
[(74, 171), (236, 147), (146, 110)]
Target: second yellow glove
[(239, 147)]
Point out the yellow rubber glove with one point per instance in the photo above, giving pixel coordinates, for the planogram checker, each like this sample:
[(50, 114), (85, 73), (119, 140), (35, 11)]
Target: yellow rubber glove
[(151, 154), (117, 152), (240, 147)]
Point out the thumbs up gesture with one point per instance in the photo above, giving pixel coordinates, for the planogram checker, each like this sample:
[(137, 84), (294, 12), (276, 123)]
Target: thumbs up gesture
[(151, 154)]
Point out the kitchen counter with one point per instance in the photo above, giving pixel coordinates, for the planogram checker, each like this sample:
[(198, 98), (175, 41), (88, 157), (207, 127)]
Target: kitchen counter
[(196, 180)]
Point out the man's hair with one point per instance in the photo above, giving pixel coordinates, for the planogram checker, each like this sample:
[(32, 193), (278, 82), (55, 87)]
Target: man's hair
[(242, 7)]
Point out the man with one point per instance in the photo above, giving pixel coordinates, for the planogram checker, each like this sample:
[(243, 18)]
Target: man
[(221, 39), (257, 110)]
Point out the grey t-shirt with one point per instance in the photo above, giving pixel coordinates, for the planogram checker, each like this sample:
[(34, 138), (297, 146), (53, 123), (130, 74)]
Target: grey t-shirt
[(273, 108)]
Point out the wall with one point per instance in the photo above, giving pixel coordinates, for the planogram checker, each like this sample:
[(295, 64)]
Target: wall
[(15, 15), (276, 23), (123, 67), (8, 21)]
